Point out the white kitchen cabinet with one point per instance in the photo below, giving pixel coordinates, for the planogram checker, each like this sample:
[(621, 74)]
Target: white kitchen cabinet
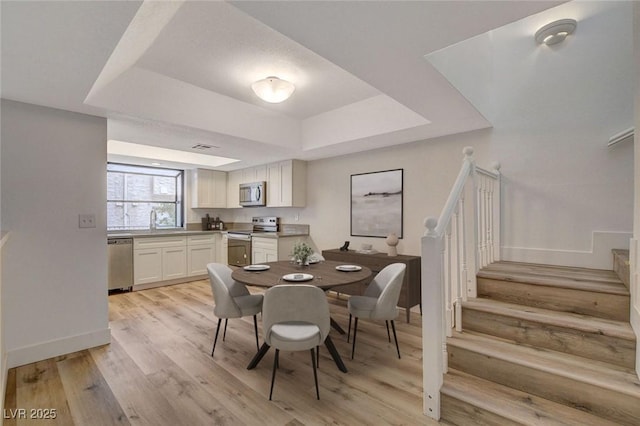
[(209, 189), (234, 179), (269, 249), (174, 263), (223, 254), (201, 250), (254, 174), (287, 184), (147, 265), (159, 259), (264, 250)]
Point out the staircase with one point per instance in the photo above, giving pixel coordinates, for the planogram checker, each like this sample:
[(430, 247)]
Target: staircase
[(543, 345)]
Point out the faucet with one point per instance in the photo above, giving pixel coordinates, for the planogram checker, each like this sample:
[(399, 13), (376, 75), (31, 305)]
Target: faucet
[(152, 220)]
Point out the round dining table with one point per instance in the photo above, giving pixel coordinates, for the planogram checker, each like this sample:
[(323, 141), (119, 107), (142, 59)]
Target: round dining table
[(326, 275)]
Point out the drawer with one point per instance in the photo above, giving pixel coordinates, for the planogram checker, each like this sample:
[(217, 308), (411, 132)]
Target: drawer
[(265, 243), (208, 239), (159, 242)]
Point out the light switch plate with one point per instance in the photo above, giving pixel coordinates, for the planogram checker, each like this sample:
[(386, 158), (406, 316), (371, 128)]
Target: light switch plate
[(87, 221)]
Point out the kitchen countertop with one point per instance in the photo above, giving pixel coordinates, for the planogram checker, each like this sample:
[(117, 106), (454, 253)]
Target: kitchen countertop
[(158, 233), (170, 233)]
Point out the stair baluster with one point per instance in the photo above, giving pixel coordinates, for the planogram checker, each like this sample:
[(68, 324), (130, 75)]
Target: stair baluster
[(446, 277)]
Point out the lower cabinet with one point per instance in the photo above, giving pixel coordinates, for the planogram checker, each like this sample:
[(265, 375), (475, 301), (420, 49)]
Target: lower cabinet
[(158, 259), (201, 250), (223, 253), (174, 263), (147, 265), (264, 250), (269, 249)]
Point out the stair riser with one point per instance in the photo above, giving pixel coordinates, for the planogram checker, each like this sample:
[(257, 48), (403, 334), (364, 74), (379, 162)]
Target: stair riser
[(621, 266), (459, 412), (601, 305), (589, 345), (574, 393)]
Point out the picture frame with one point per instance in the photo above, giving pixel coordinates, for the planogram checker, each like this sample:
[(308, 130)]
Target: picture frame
[(377, 203)]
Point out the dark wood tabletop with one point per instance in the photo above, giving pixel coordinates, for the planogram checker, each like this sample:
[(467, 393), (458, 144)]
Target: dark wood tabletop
[(325, 275)]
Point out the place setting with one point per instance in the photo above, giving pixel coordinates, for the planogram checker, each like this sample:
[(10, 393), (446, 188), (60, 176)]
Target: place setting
[(349, 268), (256, 268), (297, 277)]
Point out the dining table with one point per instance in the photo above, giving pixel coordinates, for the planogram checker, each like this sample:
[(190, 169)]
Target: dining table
[(326, 275)]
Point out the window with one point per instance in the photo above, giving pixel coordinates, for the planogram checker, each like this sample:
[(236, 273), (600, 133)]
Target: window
[(134, 191)]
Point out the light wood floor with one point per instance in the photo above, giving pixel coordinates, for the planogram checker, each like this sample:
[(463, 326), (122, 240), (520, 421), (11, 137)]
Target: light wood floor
[(158, 371)]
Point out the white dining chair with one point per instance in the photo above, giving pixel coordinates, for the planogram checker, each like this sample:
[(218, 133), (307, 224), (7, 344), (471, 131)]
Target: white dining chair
[(232, 299), (295, 318), (379, 301)]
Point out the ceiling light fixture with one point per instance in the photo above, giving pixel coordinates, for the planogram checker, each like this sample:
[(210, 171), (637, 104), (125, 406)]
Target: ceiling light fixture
[(556, 31), (273, 89)]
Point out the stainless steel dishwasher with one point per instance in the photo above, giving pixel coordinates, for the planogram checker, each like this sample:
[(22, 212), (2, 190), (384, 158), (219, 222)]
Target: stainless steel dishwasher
[(120, 271)]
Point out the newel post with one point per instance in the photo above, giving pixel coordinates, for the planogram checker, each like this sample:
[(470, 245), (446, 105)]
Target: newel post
[(433, 342)]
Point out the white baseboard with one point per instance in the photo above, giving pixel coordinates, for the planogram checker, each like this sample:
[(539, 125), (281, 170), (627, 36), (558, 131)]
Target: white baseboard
[(599, 257), (53, 348)]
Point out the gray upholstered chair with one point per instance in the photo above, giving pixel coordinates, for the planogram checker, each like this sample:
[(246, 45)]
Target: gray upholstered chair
[(379, 301), (295, 318), (232, 298)]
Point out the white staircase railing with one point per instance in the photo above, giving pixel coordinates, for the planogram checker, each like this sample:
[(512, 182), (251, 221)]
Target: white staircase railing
[(451, 256)]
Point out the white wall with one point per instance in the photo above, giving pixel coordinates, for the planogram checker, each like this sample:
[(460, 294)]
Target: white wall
[(54, 274), (553, 110)]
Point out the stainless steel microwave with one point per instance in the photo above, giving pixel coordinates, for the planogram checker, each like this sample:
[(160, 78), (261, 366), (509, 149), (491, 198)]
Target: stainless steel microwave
[(253, 194)]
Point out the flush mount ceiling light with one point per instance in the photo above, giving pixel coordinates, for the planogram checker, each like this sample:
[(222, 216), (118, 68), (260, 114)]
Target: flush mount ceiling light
[(273, 89), (556, 31)]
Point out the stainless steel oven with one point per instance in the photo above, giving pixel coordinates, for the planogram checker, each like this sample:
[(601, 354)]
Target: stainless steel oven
[(239, 251), (239, 242)]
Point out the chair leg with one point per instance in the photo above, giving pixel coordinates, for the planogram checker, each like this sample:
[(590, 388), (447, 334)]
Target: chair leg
[(255, 327), (315, 373), (349, 332), (215, 340), (355, 331), (393, 326), (388, 335), (318, 356), (226, 320), (273, 374)]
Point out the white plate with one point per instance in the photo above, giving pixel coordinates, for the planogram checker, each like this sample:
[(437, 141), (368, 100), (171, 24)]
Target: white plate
[(349, 268), (297, 277), (313, 261), (256, 267)]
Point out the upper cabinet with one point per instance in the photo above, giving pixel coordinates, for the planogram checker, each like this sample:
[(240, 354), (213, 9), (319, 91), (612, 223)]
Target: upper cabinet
[(287, 184), (234, 179), (254, 174), (209, 189)]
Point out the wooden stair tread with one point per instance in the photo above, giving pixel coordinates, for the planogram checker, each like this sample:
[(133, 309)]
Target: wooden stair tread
[(584, 323), (513, 404), (603, 275), (609, 287), (577, 368)]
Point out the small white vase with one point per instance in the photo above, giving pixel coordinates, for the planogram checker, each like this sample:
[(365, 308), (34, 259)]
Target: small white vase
[(392, 242)]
